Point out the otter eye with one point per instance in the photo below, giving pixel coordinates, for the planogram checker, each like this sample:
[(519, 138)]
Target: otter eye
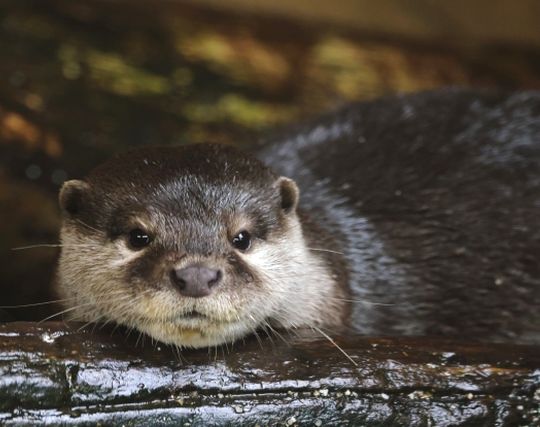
[(242, 241), (139, 238)]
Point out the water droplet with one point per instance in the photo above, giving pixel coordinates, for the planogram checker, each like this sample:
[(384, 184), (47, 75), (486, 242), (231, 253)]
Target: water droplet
[(33, 172), (58, 176)]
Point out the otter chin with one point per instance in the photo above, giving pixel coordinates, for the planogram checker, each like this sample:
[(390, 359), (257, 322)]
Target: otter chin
[(194, 245)]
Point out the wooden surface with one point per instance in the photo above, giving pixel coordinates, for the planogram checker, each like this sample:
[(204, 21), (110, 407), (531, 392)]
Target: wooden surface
[(53, 373)]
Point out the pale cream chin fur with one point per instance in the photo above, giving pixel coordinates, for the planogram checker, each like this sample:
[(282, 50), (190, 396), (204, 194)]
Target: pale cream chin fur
[(296, 291)]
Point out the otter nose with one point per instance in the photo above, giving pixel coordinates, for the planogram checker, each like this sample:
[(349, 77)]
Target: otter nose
[(195, 281)]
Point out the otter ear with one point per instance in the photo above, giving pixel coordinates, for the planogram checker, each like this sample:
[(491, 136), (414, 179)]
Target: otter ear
[(289, 193), (72, 196)]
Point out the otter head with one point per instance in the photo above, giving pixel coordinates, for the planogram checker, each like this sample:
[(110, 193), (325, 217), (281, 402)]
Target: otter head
[(194, 245)]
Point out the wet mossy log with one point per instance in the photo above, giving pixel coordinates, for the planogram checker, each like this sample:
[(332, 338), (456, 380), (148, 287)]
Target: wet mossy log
[(52, 373)]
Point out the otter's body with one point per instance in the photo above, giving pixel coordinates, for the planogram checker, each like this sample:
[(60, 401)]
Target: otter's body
[(423, 210), (434, 200)]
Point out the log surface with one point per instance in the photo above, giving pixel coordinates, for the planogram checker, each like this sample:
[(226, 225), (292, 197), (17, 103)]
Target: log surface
[(52, 373)]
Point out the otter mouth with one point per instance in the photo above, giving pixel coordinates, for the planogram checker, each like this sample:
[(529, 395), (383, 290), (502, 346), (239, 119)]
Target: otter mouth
[(193, 314), (190, 319)]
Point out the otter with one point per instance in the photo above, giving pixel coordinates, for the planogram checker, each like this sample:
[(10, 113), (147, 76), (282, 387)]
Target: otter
[(194, 245), (409, 215)]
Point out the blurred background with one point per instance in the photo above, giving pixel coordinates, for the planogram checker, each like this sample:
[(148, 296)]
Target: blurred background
[(83, 79)]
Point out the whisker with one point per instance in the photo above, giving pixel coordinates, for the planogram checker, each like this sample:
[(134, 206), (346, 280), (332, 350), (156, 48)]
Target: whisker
[(87, 226), (226, 344), (51, 245), (36, 304), (40, 245), (64, 311), (305, 289), (223, 351), (276, 333), (325, 250), (128, 332), (335, 344), (360, 301), (116, 326), (138, 339), (76, 307), (268, 334), (96, 321), (178, 353), (256, 334)]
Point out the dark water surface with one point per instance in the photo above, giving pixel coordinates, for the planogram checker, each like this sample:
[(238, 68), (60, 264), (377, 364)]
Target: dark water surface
[(81, 80)]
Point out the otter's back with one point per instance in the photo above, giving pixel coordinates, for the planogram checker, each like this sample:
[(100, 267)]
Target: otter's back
[(435, 201)]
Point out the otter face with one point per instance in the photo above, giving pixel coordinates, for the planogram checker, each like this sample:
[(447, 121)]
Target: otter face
[(195, 246)]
